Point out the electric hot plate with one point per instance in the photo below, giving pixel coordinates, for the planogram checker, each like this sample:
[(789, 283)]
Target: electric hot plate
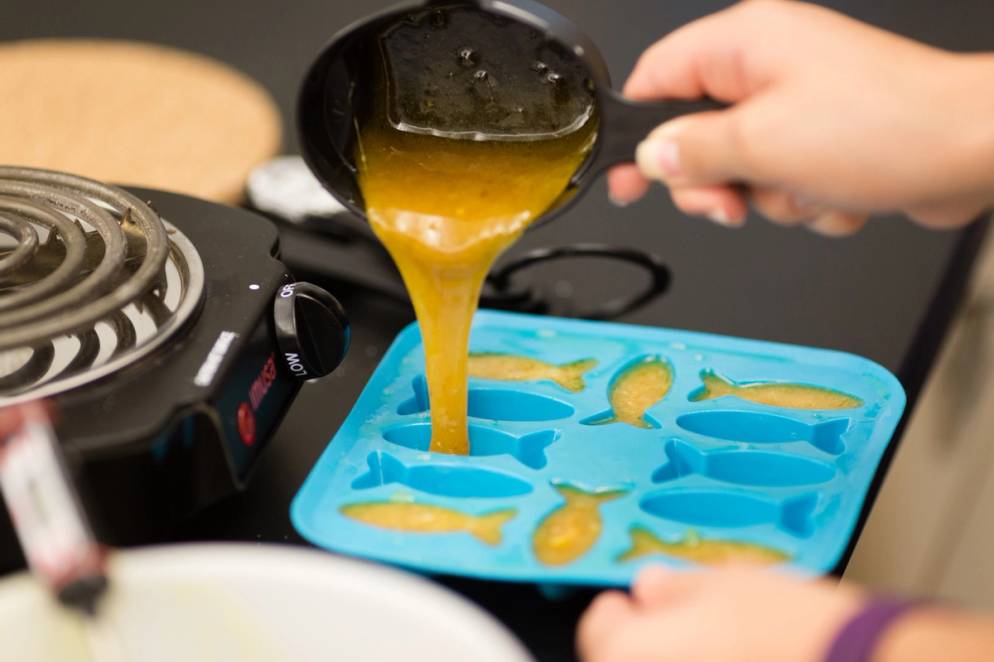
[(165, 330)]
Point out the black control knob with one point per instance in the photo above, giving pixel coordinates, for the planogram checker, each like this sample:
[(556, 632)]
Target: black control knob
[(312, 331)]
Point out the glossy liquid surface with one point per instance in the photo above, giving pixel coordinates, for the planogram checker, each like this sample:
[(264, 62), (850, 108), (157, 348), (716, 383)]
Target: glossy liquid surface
[(636, 389), (445, 209), (425, 518), (706, 552), (512, 368), (571, 530), (783, 396)]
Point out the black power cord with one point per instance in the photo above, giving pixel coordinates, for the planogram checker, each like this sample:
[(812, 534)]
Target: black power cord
[(323, 238), (364, 264), (501, 293)]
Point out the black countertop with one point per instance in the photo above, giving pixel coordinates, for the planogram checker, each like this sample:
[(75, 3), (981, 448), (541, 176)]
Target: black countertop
[(887, 294)]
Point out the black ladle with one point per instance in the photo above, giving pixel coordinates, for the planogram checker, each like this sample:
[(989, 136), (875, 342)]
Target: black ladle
[(338, 91)]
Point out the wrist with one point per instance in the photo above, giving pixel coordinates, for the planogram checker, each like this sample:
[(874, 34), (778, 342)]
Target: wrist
[(937, 634), (860, 638)]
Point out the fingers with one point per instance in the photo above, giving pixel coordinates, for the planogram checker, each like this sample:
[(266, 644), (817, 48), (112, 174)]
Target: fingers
[(613, 612), (838, 223), (607, 611), (702, 58), (701, 157), (702, 149), (696, 60), (783, 208), (787, 209), (727, 206), (945, 216), (656, 586), (723, 205), (617, 628), (626, 185), (651, 585), (691, 62)]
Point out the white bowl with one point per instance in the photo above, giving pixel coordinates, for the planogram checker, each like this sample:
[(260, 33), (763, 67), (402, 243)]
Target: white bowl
[(255, 603)]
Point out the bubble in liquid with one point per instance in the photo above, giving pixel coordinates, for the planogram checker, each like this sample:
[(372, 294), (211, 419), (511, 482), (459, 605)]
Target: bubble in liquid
[(554, 78), (468, 57), (539, 66), (483, 86)]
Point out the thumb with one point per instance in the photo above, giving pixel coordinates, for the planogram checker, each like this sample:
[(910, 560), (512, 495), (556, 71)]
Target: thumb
[(694, 150)]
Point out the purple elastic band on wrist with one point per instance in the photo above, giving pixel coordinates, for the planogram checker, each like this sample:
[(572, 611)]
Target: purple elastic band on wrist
[(858, 638)]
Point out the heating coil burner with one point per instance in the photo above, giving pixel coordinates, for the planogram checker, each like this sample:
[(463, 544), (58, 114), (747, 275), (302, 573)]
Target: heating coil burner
[(95, 282), (165, 331)]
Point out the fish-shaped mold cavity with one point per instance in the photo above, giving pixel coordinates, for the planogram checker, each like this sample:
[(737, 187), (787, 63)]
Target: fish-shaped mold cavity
[(639, 385), (494, 404), (705, 551), (430, 519), (759, 428), (515, 368), (741, 467), (450, 480), (723, 509), (774, 394), (569, 531), (484, 441)]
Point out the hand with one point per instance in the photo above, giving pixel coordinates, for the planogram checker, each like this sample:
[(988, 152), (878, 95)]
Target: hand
[(721, 615), (832, 120)]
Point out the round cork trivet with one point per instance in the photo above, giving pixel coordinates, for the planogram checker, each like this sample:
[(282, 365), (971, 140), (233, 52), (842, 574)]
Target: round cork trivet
[(132, 113)]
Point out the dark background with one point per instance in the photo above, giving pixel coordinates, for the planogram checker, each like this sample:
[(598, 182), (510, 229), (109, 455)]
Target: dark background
[(829, 292), (886, 294)]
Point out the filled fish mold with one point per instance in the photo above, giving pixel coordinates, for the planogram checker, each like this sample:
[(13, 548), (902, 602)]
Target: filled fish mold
[(597, 448)]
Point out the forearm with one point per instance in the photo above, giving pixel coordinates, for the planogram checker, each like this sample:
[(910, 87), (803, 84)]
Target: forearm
[(969, 119), (928, 634)]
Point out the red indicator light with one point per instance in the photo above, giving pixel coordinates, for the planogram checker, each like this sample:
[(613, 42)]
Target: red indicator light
[(246, 424)]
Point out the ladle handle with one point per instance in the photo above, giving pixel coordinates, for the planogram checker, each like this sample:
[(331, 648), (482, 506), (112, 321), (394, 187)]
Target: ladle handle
[(626, 123)]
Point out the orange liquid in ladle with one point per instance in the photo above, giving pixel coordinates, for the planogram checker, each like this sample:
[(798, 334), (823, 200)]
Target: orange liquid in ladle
[(445, 209)]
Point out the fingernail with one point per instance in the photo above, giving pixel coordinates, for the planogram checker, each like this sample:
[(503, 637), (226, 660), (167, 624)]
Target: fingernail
[(837, 224), (659, 158), (721, 217), (803, 204), (618, 202)]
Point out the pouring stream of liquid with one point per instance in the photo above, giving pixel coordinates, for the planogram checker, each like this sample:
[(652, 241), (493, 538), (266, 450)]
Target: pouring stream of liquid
[(446, 209)]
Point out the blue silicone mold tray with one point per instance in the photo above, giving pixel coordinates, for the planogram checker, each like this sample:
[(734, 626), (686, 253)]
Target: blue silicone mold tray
[(719, 469)]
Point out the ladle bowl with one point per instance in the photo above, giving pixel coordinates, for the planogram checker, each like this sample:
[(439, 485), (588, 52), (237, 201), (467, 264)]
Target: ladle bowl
[(337, 92)]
